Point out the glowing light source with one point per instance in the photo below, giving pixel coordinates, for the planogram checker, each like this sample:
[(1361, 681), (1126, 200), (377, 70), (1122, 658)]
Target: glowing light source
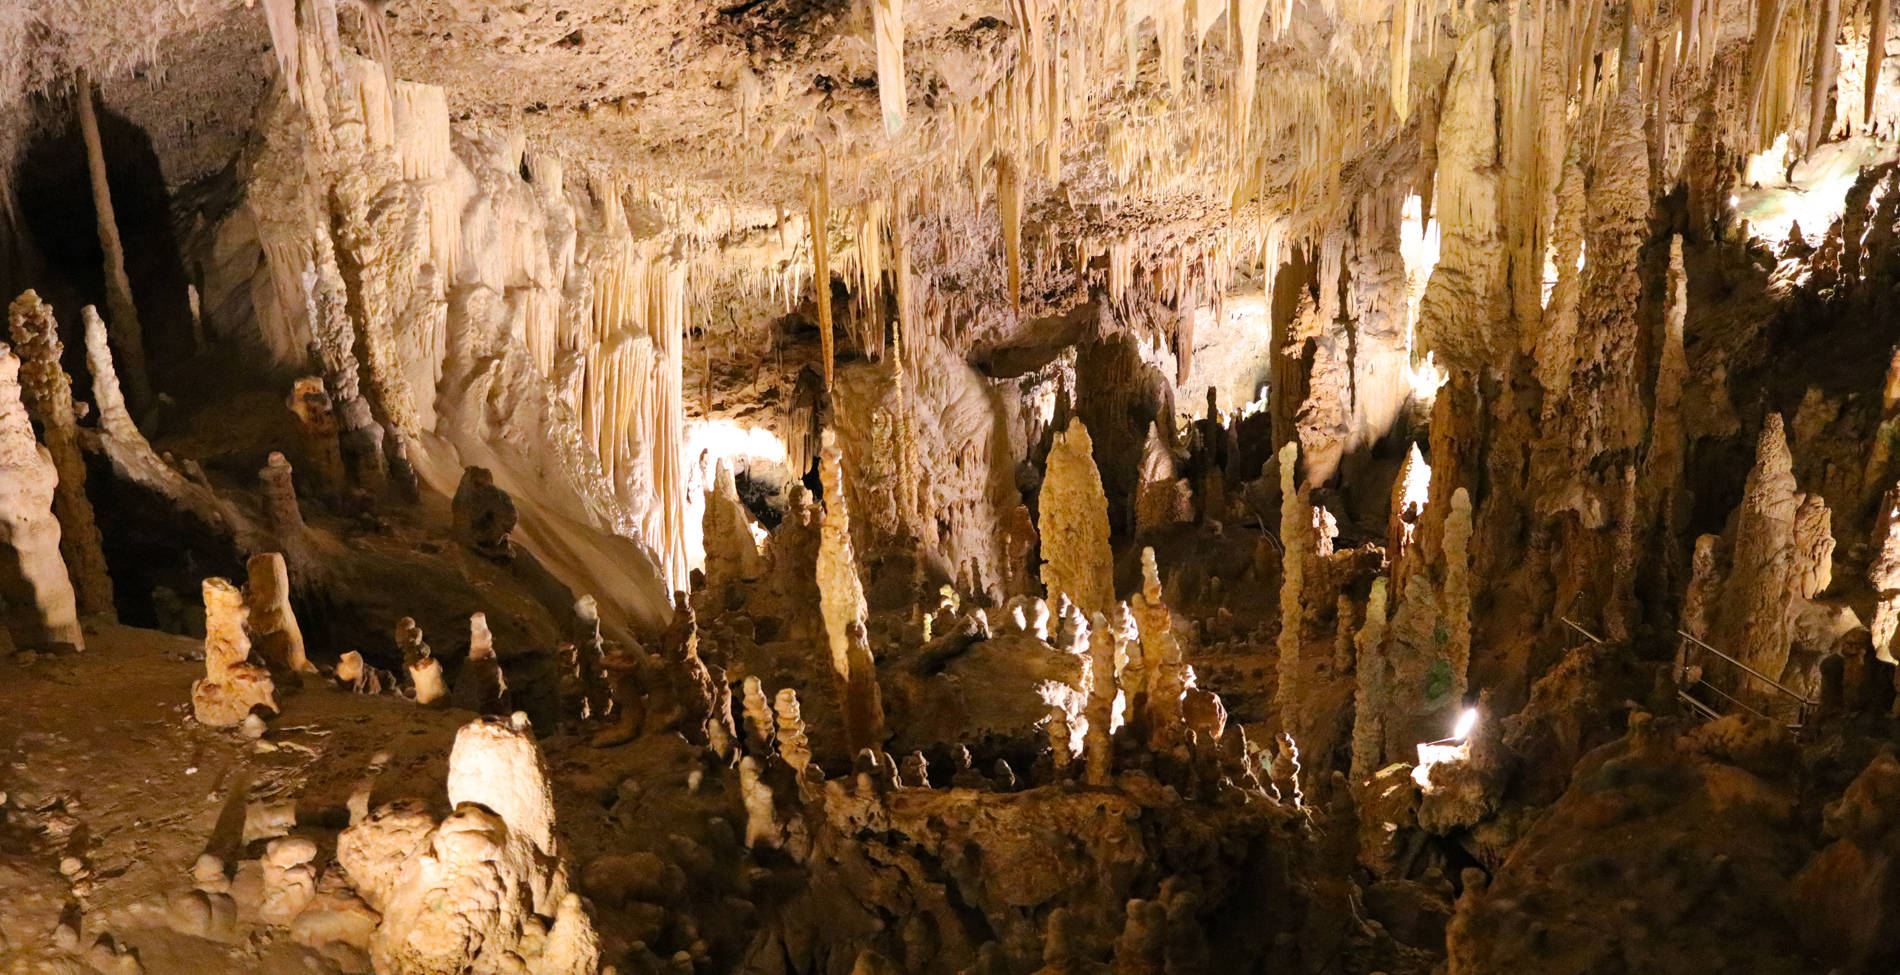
[(1467, 722), (1425, 379), (1457, 748)]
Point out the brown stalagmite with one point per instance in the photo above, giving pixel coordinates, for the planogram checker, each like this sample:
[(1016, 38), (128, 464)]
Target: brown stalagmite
[(1754, 621), (49, 395), (1457, 601), (41, 610), (821, 260), (272, 622), (1161, 672), (732, 554), (863, 701), (840, 591), (1099, 747), (793, 745), (126, 333), (1884, 573), (1813, 567), (280, 499), (1370, 693), (317, 438), (1661, 485), (1076, 560), (1296, 524), (482, 687), (232, 685), (425, 672)]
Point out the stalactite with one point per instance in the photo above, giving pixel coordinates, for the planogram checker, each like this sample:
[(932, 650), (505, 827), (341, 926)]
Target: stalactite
[(1009, 203), (821, 261), (1556, 343), (1371, 691), (1826, 68), (1296, 525), (1400, 58), (1876, 53), (1073, 524), (126, 332), (1463, 301), (888, 26), (50, 395)]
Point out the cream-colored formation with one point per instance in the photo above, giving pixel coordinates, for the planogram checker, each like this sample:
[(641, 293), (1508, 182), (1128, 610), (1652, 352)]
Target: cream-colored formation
[(1073, 524), (42, 610), (233, 686), (269, 618)]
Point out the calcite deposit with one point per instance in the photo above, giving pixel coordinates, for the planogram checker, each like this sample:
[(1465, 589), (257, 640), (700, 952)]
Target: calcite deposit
[(939, 487)]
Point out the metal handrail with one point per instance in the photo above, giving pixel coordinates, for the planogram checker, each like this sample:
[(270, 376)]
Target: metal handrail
[(1732, 699), (1592, 636), (1758, 675), (1693, 702)]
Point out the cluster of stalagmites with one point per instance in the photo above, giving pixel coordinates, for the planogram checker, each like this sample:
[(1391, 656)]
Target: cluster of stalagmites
[(482, 890)]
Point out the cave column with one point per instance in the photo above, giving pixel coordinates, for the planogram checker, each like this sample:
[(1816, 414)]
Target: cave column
[(126, 333)]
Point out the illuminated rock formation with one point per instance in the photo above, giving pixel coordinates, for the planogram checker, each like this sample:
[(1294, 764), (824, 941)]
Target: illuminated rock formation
[(42, 610), (425, 672), (317, 441), (270, 620), (232, 685), (840, 592), (1372, 691), (49, 397), (1073, 524)]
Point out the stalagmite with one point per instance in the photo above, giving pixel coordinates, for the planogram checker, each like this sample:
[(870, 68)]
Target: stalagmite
[(1877, 474), (1161, 669), (482, 688), (49, 395), (1458, 591), (1883, 572), (425, 672), (863, 701), (1370, 695), (1556, 343), (1073, 524), (281, 510), (232, 685), (887, 18), (840, 591), (279, 640), (1296, 525), (761, 824), (1755, 620), (732, 554), (1663, 460), (793, 746), (1099, 750), (126, 333), (317, 435), (126, 448), (757, 710), (41, 609)]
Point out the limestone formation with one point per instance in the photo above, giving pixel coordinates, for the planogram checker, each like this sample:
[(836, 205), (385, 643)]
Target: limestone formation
[(1295, 529), (1883, 573), (1755, 621), (484, 889), (232, 685), (761, 824), (1073, 524), (281, 509), (482, 688), (840, 592), (1372, 691), (42, 610), (863, 701), (732, 554), (793, 746), (309, 402), (1098, 750), (273, 625), (1457, 592), (49, 397), (483, 514), (425, 672)]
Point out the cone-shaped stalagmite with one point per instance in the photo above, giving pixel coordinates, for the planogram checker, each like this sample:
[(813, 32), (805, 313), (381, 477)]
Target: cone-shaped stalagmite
[(49, 394), (1296, 524), (232, 685), (279, 640), (1371, 694), (840, 591), (41, 610), (1073, 524)]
